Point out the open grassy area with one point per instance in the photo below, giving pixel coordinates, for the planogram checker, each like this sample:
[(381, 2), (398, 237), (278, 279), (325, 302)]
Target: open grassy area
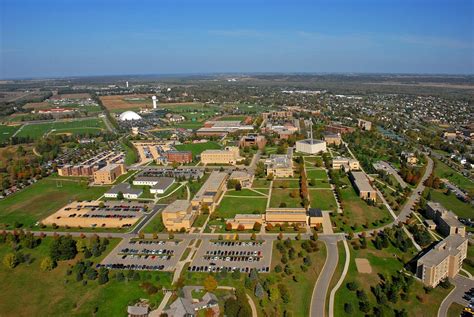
[(198, 148), (316, 174), (387, 262), (260, 183), (357, 213), (200, 220), (323, 199), (28, 291), (6, 132), (230, 206), (470, 256), (155, 225), (280, 196), (444, 171), (245, 192), (283, 183), (74, 127), (311, 161), (451, 202), (320, 183), (455, 310), (42, 199)]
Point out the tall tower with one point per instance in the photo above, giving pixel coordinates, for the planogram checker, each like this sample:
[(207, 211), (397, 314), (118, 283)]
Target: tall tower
[(311, 130), (154, 101), (126, 83)]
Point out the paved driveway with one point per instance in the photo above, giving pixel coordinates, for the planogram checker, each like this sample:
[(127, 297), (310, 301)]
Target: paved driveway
[(463, 284)]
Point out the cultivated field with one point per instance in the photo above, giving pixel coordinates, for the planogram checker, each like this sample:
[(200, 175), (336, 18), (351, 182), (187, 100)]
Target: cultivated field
[(127, 102)]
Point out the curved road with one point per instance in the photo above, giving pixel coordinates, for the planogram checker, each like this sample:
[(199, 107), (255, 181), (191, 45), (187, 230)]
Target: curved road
[(462, 285)]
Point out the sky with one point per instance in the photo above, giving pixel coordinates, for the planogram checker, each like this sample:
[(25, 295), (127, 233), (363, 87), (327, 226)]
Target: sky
[(116, 37)]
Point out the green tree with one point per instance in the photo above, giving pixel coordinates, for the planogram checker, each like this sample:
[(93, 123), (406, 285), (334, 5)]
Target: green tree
[(10, 260)]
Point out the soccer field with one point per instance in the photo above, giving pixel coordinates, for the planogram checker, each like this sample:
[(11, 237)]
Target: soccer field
[(74, 127)]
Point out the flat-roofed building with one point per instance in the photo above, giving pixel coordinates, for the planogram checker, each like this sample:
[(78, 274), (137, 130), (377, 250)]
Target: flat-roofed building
[(345, 163), (210, 191), (362, 186), (286, 215), (311, 146), (127, 191), (251, 140), (338, 128), (364, 124), (108, 174), (447, 222), (244, 178), (409, 157), (315, 217), (179, 156), (178, 215), (230, 155), (333, 138), (444, 260), (158, 184), (280, 165), (245, 221)]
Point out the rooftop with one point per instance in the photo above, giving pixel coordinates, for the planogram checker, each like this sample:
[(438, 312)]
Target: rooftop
[(177, 205), (362, 181), (448, 246), (124, 188)]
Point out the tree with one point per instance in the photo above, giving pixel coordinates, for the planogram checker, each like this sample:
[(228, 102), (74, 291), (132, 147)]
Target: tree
[(228, 226), (253, 236), (103, 275), (240, 227), (236, 274), (63, 248), (348, 308), (46, 264), (257, 226), (210, 283), (119, 195), (259, 290), (10, 260)]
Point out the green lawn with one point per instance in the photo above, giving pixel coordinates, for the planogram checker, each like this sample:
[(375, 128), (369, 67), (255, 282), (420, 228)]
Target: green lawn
[(75, 127), (42, 199), (192, 125), (357, 213), (6, 131), (260, 183), (320, 183), (245, 192), (200, 220), (155, 225), (28, 291), (323, 199), (230, 206), (316, 174), (451, 202), (280, 196), (281, 183), (455, 310), (470, 256), (198, 148), (310, 161), (444, 171), (387, 262)]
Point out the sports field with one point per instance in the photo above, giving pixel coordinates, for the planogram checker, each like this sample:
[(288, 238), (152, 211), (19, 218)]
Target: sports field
[(198, 148), (6, 132), (42, 199), (74, 127)]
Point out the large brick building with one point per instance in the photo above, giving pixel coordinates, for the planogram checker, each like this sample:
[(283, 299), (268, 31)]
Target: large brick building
[(179, 156)]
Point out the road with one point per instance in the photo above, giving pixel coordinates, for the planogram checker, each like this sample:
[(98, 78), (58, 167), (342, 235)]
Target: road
[(318, 300), (148, 217), (462, 284)]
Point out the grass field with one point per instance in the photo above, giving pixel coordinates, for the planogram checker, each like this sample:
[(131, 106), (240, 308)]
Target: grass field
[(245, 192), (28, 291), (444, 171), (357, 212), (260, 183), (76, 127), (320, 183), (470, 256), (42, 199), (451, 202), (6, 131), (283, 183), (455, 310), (386, 262), (198, 148), (323, 199), (230, 206), (155, 225), (192, 125), (316, 174), (280, 196)]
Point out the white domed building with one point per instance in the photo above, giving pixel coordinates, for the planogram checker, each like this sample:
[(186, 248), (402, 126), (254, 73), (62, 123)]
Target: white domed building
[(129, 116)]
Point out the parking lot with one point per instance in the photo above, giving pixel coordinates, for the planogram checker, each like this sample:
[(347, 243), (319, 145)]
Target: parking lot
[(214, 256), (136, 254)]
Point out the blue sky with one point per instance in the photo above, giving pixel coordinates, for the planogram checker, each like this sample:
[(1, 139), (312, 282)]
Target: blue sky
[(78, 38)]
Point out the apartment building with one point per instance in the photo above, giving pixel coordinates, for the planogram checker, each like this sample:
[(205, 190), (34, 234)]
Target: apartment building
[(333, 138), (179, 156), (364, 124), (362, 186), (230, 155), (179, 214), (108, 174), (446, 221), (444, 260)]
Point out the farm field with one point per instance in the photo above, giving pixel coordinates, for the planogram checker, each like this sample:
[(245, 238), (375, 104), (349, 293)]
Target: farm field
[(322, 199), (385, 262), (55, 293), (120, 103), (42, 199), (76, 127), (198, 148), (7, 131)]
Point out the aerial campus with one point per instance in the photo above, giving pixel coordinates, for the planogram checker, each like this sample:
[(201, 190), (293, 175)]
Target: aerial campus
[(233, 194)]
